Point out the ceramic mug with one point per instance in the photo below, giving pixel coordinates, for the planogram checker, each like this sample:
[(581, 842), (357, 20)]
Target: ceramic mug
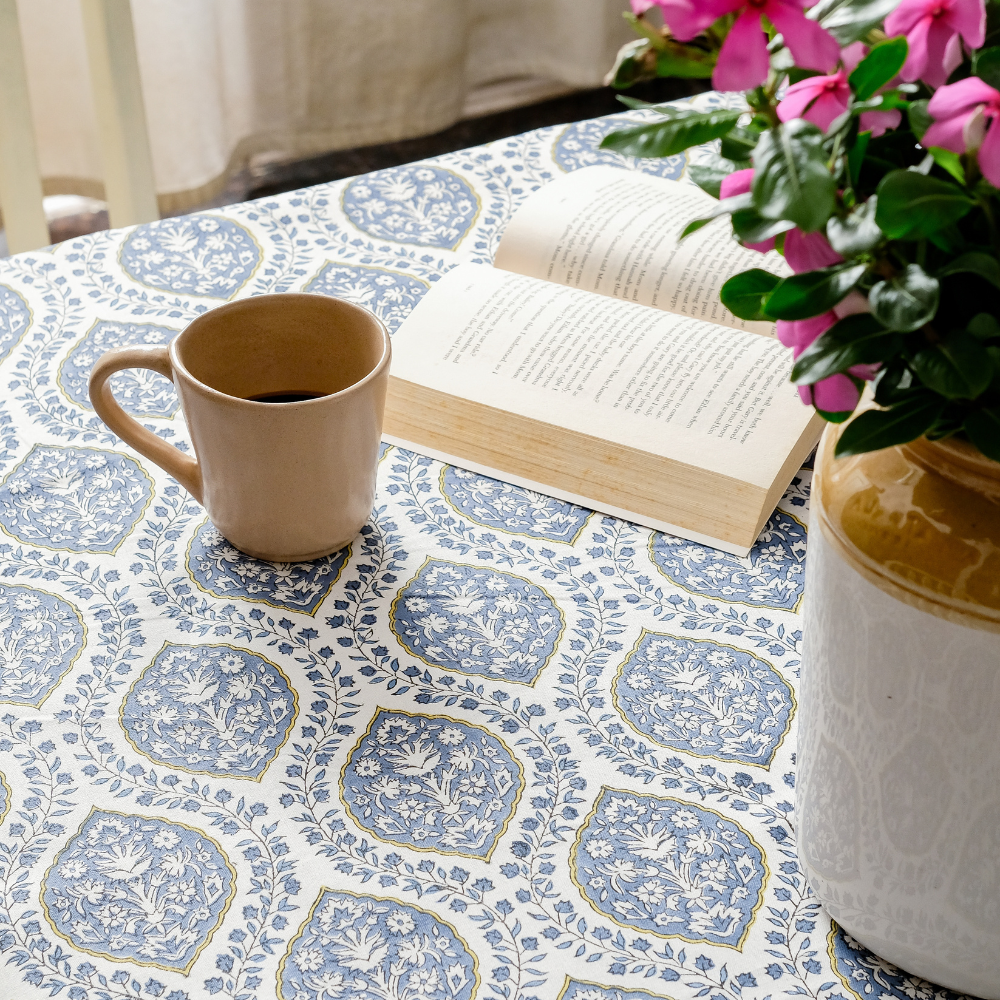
[(283, 397)]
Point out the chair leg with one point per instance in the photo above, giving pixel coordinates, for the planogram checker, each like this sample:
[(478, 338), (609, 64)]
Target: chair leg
[(121, 116), (20, 179)]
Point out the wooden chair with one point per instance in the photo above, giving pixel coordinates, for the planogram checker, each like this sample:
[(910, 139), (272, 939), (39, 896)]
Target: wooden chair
[(121, 121)]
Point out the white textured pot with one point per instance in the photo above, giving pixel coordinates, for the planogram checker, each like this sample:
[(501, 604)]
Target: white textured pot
[(899, 721)]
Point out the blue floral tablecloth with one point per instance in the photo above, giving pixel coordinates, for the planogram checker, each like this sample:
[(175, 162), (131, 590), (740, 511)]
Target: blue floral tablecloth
[(501, 747)]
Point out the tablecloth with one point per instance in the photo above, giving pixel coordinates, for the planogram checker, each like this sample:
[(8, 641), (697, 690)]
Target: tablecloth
[(501, 747)]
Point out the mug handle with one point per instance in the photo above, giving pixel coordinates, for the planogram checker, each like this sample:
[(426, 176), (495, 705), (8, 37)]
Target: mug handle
[(157, 359)]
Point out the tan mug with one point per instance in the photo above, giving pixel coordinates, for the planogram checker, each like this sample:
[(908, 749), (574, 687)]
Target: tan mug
[(283, 397)]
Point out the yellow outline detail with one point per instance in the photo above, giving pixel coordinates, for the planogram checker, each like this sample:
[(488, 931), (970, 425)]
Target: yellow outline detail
[(150, 965), (830, 938), (464, 673), (603, 986), (260, 600), (381, 899), (7, 801), (429, 246), (703, 756), (725, 600), (213, 298), (507, 531), (402, 843), (73, 402), (214, 774), (687, 805), (89, 552), (31, 317), (69, 666)]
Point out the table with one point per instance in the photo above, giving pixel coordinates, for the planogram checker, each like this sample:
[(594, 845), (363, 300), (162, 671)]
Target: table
[(501, 747)]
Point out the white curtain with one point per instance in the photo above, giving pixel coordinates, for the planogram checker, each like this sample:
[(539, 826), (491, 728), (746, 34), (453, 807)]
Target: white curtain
[(226, 79)]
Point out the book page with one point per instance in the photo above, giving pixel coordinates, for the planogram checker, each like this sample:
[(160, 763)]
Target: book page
[(671, 385), (616, 232)]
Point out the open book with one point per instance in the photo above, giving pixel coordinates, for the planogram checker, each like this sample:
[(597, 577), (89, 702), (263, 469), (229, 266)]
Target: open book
[(594, 362)]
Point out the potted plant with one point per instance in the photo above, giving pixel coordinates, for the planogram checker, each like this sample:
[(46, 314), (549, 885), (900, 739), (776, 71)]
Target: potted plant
[(868, 153)]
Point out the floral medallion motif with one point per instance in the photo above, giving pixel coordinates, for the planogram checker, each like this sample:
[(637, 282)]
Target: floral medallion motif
[(210, 710), (865, 975), (708, 699), (41, 636), (15, 318), (432, 783), (219, 568), (138, 889), (513, 509), (368, 946), (391, 295), (204, 255), (79, 499), (578, 146), (477, 621), (576, 989), (139, 391), (421, 203), (772, 576), (668, 867)]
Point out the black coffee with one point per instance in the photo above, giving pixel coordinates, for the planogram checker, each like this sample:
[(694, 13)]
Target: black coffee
[(285, 397)]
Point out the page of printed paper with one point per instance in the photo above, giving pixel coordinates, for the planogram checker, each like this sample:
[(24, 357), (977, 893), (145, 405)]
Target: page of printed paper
[(616, 232), (695, 392)]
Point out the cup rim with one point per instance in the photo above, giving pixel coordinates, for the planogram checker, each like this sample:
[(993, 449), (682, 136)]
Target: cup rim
[(377, 370)]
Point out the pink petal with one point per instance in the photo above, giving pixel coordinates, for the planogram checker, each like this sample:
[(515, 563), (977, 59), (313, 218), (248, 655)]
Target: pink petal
[(866, 372), (968, 17), (686, 18), (825, 97), (738, 182), (799, 334), (852, 305), (835, 394), (961, 97), (904, 18), (639, 7), (935, 72), (989, 154), (953, 55), (765, 247), (786, 332), (809, 251), (948, 133), (812, 46), (743, 60), (852, 55), (877, 122), (916, 60)]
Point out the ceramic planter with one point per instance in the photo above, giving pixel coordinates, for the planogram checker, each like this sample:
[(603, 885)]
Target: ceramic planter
[(899, 761)]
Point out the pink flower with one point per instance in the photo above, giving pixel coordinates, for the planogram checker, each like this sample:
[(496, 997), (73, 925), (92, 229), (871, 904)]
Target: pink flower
[(809, 252), (744, 61), (836, 393), (822, 99), (932, 29), (740, 182), (965, 121)]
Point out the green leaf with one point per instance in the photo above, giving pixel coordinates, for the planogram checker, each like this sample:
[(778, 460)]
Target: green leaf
[(791, 180), (743, 293), (854, 340), (907, 301), (724, 207), (956, 368), (919, 116), (630, 65), (857, 156), (876, 429), (893, 382), (984, 326), (710, 174), (813, 293), (749, 227), (850, 20), (857, 232), (668, 138), (911, 206), (983, 264), (687, 65), (739, 144), (983, 430), (987, 66), (877, 68), (947, 160), (634, 104)]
